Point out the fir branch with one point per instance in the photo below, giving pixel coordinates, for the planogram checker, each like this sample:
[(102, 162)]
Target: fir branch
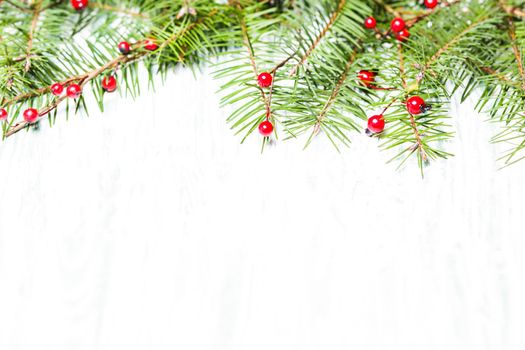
[(335, 92), (450, 43), (248, 44), (417, 135), (320, 36), (82, 80), (87, 77), (34, 22), (515, 48)]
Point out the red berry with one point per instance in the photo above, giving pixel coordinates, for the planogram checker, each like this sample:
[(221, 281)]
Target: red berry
[(73, 91), (366, 77), (264, 79), (430, 4), (415, 105), (3, 114), (150, 45), (124, 47), (30, 115), (79, 4), (266, 128), (109, 84), (397, 24), (376, 123), (370, 22), (57, 89), (403, 35)]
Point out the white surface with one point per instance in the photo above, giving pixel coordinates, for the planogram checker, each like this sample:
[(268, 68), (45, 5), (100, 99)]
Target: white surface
[(150, 227)]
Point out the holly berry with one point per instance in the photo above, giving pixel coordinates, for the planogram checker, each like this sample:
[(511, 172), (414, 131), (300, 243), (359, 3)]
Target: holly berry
[(57, 89), (124, 47), (430, 4), (30, 115), (415, 105), (79, 4), (370, 22), (366, 77), (73, 91), (376, 123), (266, 128), (3, 114), (264, 79), (397, 24), (109, 84), (403, 35), (150, 45)]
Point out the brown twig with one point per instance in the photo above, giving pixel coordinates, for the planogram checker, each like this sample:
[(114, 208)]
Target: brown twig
[(413, 124), (83, 79), (34, 22), (321, 35), (249, 47), (388, 106), (335, 92), (419, 142), (513, 42)]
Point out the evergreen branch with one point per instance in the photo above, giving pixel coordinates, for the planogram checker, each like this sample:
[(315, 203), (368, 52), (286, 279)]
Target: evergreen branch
[(34, 22), (498, 75), (82, 80), (85, 78), (450, 43), (248, 44), (335, 92), (321, 35), (515, 48), (413, 124)]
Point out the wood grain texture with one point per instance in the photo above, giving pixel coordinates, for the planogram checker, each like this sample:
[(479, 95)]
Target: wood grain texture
[(150, 227)]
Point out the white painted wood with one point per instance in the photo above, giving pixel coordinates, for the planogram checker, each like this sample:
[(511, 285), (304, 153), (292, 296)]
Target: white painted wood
[(150, 227)]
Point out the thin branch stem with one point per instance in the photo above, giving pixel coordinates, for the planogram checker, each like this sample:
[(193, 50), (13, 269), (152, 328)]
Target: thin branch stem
[(34, 22), (321, 35), (413, 124), (335, 91), (247, 42), (83, 79)]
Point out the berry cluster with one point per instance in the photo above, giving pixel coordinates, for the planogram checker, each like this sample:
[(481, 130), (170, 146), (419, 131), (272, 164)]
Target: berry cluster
[(398, 25), (414, 104), (265, 80)]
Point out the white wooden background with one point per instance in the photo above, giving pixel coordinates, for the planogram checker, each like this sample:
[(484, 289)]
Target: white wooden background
[(150, 227)]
